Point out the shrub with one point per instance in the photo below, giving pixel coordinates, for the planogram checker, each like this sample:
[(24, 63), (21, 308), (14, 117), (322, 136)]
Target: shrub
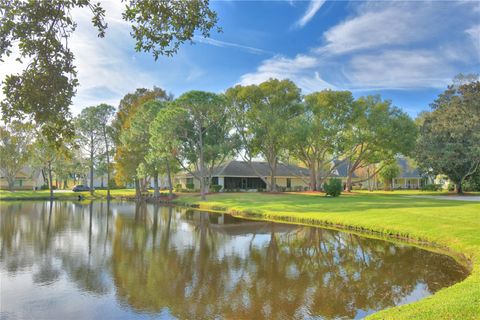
[(472, 182), (260, 190), (333, 187), (178, 187), (190, 186), (45, 187), (431, 187), (451, 187), (215, 188)]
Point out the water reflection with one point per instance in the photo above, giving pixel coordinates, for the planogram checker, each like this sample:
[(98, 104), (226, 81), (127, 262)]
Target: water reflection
[(114, 260)]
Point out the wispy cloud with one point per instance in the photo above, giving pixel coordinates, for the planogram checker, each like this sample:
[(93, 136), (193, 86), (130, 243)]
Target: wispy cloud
[(223, 44), (379, 26), (300, 69), (312, 9), (474, 33), (400, 69)]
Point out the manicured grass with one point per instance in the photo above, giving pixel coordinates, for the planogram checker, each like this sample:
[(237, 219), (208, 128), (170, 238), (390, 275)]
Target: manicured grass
[(416, 192), (449, 223)]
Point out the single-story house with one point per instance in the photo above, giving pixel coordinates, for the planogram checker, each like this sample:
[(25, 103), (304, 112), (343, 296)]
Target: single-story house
[(26, 179), (409, 178), (239, 175)]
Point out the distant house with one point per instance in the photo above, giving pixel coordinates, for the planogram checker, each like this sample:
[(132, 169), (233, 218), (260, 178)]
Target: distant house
[(26, 179), (239, 175), (410, 177)]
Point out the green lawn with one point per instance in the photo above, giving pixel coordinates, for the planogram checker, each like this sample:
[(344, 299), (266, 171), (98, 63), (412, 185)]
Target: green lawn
[(452, 224)]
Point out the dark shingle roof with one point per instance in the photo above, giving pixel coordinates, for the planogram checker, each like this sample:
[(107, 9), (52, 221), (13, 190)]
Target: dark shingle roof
[(342, 169), (406, 170), (243, 169)]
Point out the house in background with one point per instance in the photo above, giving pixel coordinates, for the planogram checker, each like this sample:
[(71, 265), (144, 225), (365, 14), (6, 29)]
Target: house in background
[(239, 175), (409, 178), (26, 179)]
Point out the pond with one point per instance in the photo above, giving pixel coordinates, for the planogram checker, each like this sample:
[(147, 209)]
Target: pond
[(125, 260)]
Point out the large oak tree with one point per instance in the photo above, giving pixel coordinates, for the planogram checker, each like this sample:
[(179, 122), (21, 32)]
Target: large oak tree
[(263, 117), (449, 141)]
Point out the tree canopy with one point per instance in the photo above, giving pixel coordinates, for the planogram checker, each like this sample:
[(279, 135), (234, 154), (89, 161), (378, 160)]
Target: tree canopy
[(449, 141), (39, 31)]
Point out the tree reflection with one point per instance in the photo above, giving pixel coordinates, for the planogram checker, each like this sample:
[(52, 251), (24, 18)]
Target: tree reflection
[(195, 265)]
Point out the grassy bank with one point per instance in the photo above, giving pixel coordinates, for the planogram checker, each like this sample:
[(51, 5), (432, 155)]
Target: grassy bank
[(62, 194), (452, 224)]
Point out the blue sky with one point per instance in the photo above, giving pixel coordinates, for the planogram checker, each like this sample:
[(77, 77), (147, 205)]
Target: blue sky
[(407, 51)]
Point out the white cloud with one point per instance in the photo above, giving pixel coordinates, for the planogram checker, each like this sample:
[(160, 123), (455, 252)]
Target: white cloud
[(400, 69), (397, 24), (300, 69), (312, 9)]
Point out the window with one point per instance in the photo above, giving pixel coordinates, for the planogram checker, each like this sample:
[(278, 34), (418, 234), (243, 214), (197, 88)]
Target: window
[(215, 181), (189, 184), (289, 182)]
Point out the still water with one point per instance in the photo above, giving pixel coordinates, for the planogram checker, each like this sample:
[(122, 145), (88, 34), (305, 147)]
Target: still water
[(122, 260)]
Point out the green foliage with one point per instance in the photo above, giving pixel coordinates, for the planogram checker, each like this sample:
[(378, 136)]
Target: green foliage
[(15, 149), (215, 188), (389, 171), (472, 182), (161, 27), (196, 131), (333, 187), (43, 91), (318, 135), (131, 131), (263, 117), (40, 30), (379, 132), (431, 187), (190, 186), (449, 141)]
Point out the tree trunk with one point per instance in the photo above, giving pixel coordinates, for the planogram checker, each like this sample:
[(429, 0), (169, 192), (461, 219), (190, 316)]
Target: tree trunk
[(313, 177), (156, 189), (91, 165), (50, 182), (202, 189), (458, 187), (138, 192), (348, 184), (108, 160), (202, 166), (65, 184), (273, 180), (169, 177), (11, 183)]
